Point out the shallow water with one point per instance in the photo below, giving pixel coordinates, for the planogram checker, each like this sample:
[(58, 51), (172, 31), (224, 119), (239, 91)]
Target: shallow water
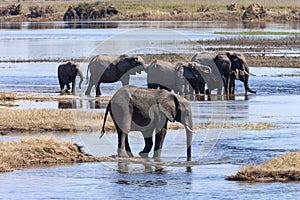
[(217, 152)]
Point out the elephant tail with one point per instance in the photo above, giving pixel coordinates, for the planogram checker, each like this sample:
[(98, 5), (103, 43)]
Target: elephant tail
[(105, 117)]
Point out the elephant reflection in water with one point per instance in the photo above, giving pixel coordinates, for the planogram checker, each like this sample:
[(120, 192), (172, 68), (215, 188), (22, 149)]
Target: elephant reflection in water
[(70, 104), (147, 110)]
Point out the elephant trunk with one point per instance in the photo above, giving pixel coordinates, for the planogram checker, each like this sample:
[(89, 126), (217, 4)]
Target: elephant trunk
[(247, 88), (81, 78), (189, 137)]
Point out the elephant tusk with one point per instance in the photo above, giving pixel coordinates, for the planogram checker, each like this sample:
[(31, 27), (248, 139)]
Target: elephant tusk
[(249, 74), (189, 129), (236, 74)]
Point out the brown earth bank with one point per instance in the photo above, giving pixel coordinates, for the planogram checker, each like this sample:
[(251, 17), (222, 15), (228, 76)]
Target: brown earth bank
[(34, 152), (213, 10), (283, 168)]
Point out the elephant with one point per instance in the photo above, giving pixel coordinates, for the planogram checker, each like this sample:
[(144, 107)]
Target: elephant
[(67, 72), (227, 66), (109, 69), (240, 71), (197, 75), (142, 109), (174, 76)]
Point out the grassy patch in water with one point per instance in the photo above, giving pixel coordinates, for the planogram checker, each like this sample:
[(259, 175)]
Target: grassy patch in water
[(257, 33), (39, 151), (283, 168), (45, 120)]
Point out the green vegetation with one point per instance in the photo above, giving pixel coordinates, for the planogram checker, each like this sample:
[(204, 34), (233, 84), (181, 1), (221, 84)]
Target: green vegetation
[(257, 33)]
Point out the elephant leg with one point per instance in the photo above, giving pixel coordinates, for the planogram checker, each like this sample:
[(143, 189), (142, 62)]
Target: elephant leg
[(148, 144), (231, 89), (73, 86), (122, 143), (159, 140), (68, 86), (98, 93), (61, 84), (89, 88), (127, 147), (201, 89)]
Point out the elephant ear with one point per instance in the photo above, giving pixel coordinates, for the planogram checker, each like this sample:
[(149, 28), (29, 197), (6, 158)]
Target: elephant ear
[(168, 104), (189, 71), (223, 62)]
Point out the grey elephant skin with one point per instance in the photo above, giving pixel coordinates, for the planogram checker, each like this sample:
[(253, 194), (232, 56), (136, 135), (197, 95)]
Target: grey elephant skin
[(228, 67), (197, 76), (181, 77), (147, 110), (67, 73), (109, 69)]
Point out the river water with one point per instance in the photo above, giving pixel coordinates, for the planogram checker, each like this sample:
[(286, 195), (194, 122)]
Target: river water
[(39, 47)]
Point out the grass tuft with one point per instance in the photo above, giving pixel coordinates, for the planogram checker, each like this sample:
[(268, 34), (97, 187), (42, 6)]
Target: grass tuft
[(39, 151), (283, 168)]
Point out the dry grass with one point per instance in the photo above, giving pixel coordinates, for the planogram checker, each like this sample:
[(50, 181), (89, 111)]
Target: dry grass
[(283, 168), (253, 126), (10, 96), (39, 151), (37, 120)]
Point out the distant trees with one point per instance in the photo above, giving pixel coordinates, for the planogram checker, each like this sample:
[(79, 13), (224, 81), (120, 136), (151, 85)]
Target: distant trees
[(85, 11)]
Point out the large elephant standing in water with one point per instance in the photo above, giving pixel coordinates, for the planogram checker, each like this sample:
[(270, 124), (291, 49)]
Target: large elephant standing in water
[(181, 77), (228, 67), (109, 69), (141, 109), (67, 73)]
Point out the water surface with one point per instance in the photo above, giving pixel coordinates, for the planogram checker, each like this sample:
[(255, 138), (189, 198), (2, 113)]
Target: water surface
[(217, 152)]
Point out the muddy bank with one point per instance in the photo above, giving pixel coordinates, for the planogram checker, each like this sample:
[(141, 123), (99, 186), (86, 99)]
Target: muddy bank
[(28, 153)]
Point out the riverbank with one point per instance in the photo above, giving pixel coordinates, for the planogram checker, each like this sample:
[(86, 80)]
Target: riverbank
[(225, 10), (283, 168), (37, 152)]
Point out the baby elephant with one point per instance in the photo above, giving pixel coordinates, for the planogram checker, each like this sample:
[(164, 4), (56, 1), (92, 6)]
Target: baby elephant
[(67, 72), (141, 109)]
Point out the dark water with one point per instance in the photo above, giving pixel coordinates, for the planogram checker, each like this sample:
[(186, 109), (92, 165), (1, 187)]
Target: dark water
[(217, 152)]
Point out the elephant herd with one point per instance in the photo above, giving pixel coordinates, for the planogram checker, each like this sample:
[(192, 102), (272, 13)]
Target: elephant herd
[(148, 110), (205, 70)]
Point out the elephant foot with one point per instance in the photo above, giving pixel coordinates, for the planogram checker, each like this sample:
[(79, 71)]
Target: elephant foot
[(156, 155), (87, 94), (130, 154), (143, 154), (122, 153)]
